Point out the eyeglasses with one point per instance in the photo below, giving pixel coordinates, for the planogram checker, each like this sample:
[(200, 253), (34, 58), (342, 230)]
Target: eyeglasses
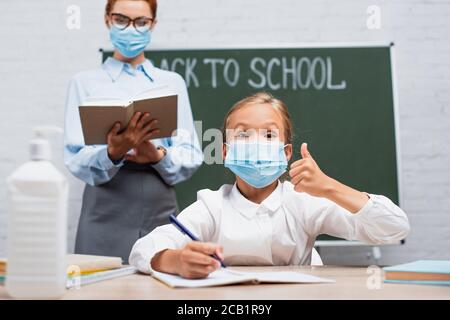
[(141, 24)]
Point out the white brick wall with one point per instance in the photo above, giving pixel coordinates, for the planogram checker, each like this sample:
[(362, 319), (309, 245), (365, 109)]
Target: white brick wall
[(39, 55)]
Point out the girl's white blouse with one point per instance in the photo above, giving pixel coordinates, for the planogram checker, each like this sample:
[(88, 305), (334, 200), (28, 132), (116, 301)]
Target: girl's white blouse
[(279, 231)]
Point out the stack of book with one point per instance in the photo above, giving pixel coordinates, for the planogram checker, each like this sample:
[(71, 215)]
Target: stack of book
[(85, 269), (2, 270), (431, 272)]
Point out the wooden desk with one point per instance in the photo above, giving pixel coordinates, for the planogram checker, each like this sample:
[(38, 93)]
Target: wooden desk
[(350, 284)]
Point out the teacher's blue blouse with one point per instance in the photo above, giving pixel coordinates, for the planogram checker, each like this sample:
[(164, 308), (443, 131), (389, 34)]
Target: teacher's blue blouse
[(119, 80)]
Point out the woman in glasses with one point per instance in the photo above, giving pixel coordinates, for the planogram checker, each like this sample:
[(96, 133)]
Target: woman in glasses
[(129, 181)]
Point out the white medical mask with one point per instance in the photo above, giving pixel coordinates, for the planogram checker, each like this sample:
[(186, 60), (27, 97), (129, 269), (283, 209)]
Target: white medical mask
[(259, 163), (129, 41)]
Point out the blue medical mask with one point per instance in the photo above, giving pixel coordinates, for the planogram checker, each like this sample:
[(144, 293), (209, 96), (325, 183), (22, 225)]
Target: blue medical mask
[(129, 41), (258, 163)]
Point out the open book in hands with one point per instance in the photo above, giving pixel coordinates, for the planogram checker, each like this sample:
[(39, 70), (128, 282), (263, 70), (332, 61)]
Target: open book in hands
[(226, 276), (98, 115)]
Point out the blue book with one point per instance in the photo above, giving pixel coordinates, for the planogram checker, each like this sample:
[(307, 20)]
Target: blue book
[(431, 272)]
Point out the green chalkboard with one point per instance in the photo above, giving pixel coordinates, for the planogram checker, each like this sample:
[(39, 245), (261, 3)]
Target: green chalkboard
[(341, 100)]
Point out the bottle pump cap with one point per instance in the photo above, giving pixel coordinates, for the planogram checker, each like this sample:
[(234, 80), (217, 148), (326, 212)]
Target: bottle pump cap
[(39, 145)]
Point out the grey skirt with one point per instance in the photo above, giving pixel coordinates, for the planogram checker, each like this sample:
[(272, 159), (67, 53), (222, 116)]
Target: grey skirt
[(117, 213)]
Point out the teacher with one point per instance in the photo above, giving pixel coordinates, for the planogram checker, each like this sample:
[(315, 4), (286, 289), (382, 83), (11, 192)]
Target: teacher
[(129, 182)]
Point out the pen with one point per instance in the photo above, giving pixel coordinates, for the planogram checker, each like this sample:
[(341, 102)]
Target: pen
[(184, 230)]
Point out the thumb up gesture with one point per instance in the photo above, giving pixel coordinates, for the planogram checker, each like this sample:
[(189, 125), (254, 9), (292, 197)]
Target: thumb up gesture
[(306, 175)]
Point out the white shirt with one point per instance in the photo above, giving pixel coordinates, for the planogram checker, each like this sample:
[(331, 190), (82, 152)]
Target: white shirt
[(279, 231)]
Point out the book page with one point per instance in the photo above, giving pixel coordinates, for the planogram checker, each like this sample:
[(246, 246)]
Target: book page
[(105, 101), (91, 262), (227, 276), (216, 278), (99, 276), (284, 277)]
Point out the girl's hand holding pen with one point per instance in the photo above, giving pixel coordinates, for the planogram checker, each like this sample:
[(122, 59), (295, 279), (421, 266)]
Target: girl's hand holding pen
[(195, 261)]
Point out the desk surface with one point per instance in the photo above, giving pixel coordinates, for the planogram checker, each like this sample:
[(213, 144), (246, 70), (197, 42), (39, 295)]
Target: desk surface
[(351, 283)]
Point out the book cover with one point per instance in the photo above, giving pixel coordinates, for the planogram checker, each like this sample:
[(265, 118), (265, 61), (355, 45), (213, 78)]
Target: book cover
[(98, 116)]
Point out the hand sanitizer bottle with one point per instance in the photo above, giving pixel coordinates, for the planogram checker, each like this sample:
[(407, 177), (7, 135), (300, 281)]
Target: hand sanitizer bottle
[(37, 198)]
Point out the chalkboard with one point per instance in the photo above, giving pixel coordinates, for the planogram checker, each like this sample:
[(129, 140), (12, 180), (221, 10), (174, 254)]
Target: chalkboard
[(341, 100)]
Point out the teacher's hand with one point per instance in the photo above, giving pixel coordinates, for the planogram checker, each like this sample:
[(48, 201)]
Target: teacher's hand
[(146, 152), (139, 129)]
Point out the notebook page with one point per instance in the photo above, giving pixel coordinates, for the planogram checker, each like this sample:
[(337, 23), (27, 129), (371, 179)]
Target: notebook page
[(227, 276), (284, 277), (216, 278)]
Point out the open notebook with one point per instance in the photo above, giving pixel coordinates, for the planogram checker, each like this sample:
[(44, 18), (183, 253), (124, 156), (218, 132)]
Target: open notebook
[(223, 277)]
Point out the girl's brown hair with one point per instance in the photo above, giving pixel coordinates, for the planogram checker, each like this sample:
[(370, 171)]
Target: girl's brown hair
[(110, 5), (263, 98)]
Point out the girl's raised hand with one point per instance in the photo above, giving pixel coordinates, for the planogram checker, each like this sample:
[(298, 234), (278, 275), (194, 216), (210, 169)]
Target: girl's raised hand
[(306, 175)]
